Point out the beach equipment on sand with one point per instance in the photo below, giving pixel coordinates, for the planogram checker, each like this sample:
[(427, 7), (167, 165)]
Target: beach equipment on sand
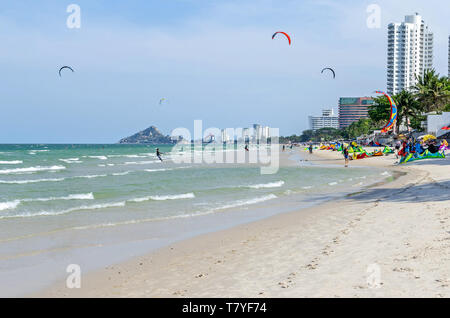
[(328, 68), (284, 33), (65, 66), (446, 127), (393, 117), (428, 137), (388, 150), (444, 146), (425, 155)]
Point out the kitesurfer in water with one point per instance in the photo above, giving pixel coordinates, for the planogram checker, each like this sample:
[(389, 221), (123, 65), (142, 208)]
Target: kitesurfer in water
[(158, 154)]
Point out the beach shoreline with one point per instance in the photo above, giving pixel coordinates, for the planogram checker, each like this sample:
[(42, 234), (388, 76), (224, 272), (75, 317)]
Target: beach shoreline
[(247, 260)]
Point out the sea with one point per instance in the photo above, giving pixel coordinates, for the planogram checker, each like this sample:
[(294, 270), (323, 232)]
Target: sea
[(95, 205)]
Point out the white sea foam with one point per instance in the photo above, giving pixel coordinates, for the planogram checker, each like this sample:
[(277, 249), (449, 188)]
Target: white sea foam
[(9, 205), (247, 202), (71, 160), (267, 185), (98, 157), (139, 162), (60, 212), (31, 169), (92, 176), (121, 173), (155, 170), (332, 183), (386, 174), (164, 197), (31, 181), (307, 187), (13, 204), (12, 162), (82, 196)]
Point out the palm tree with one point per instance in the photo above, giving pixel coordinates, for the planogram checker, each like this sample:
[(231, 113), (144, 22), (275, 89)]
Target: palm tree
[(432, 92), (408, 110)]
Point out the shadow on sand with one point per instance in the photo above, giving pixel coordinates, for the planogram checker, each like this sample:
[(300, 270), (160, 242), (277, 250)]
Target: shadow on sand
[(426, 192)]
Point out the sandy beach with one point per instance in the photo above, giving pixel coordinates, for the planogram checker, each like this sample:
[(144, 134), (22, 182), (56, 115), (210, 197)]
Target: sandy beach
[(391, 240)]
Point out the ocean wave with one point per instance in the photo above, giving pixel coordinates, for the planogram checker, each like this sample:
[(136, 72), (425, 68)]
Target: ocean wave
[(13, 204), (98, 157), (60, 212), (82, 196), (139, 162), (164, 197), (53, 179), (332, 183), (155, 170), (71, 160), (126, 156), (232, 205), (267, 185), (12, 162), (31, 169), (9, 205), (92, 176), (31, 181), (121, 173), (247, 202)]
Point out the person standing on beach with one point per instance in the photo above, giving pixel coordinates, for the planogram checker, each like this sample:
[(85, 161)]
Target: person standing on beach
[(346, 156), (310, 148), (158, 154), (397, 148)]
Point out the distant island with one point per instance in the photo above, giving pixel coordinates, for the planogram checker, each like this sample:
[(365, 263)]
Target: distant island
[(150, 136)]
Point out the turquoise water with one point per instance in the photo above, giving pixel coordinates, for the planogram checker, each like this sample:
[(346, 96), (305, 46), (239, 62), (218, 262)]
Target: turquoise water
[(58, 200), (96, 184)]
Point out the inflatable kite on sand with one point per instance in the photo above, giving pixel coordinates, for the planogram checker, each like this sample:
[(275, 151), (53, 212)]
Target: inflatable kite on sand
[(444, 146), (393, 117), (425, 155)]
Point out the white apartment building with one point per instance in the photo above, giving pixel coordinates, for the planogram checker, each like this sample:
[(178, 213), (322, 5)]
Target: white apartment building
[(327, 120), (410, 52)]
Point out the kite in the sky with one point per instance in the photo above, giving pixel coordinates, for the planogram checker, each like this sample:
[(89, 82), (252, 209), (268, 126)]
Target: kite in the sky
[(284, 33), (162, 100), (64, 68), (393, 116), (330, 69)]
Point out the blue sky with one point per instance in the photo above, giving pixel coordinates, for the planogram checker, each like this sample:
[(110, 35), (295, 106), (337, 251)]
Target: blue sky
[(213, 60)]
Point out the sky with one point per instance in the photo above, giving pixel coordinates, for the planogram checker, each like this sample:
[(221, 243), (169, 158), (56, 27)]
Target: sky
[(212, 60)]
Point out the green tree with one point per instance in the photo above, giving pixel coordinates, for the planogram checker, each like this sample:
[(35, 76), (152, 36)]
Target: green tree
[(433, 93)]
